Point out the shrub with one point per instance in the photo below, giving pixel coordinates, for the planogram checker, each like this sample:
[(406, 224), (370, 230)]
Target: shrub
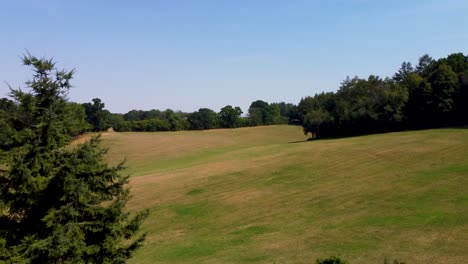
[(331, 260)]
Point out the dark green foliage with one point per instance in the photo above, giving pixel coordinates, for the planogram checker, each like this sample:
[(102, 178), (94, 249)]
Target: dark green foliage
[(244, 122), (425, 65), (229, 116), (287, 113), (75, 119), (402, 73), (434, 98), (153, 120), (134, 115), (360, 106), (262, 113), (369, 106), (317, 122), (462, 99), (419, 104), (444, 84), (177, 120), (7, 106), (8, 110), (314, 113), (204, 118), (150, 125), (257, 112), (331, 260), (457, 62), (60, 204), (97, 116), (434, 94)]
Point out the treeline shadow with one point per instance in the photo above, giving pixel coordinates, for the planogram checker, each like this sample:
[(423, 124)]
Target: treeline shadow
[(324, 138)]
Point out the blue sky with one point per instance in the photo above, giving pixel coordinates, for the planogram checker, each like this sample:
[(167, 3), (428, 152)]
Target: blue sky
[(210, 53)]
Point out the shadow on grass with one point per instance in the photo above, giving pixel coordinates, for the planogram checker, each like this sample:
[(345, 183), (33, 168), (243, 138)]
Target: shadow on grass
[(376, 133), (318, 139), (335, 137)]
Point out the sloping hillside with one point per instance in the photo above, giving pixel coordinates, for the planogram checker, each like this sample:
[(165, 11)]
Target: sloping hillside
[(265, 195)]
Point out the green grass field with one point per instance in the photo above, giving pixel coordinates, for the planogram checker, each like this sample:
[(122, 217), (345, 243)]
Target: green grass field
[(266, 195)]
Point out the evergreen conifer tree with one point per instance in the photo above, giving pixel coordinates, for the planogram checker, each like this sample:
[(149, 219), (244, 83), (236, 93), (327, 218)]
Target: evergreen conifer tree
[(60, 204)]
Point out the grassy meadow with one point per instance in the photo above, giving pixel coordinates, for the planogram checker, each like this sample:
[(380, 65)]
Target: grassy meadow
[(266, 195)]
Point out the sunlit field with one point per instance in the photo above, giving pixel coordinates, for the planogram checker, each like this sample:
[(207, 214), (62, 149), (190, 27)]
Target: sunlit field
[(267, 195)]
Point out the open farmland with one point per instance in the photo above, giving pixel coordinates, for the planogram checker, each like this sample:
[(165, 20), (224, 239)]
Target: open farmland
[(266, 195)]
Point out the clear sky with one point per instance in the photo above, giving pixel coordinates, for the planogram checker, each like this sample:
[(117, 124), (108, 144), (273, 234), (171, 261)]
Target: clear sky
[(210, 53)]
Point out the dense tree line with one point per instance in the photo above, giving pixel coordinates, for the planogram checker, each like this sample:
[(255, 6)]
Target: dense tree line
[(434, 93), (153, 120), (260, 113), (93, 116)]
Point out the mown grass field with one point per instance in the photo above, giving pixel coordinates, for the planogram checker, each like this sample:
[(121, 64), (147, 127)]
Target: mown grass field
[(265, 195)]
